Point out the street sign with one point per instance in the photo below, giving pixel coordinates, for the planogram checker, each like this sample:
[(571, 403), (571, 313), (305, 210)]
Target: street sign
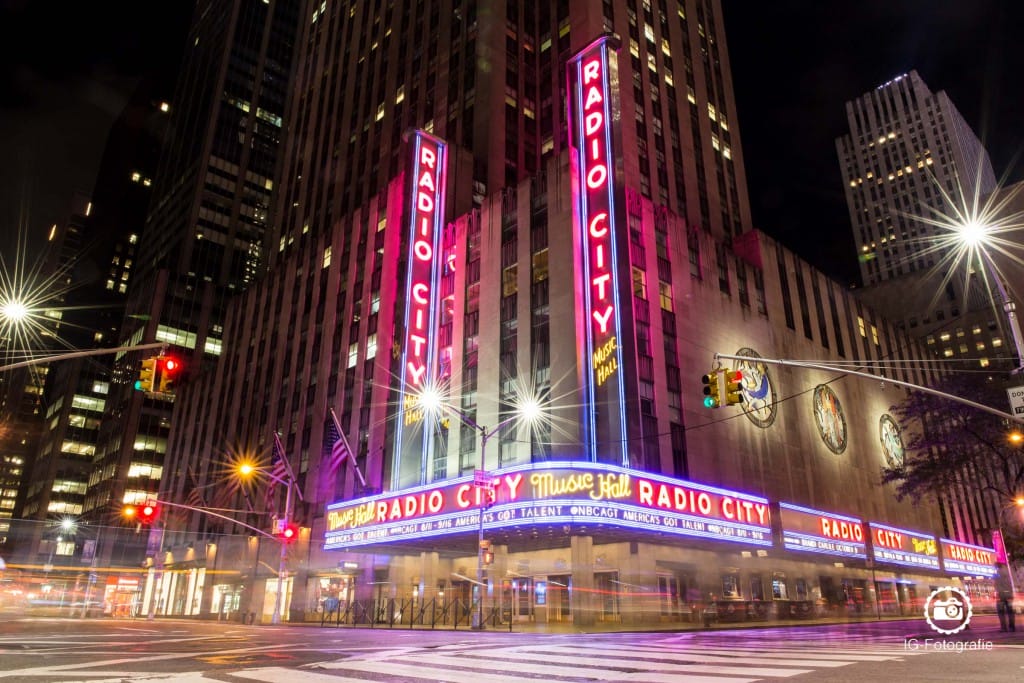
[(482, 480), (1016, 395)]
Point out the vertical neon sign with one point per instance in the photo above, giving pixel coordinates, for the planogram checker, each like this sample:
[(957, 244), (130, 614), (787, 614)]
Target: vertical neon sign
[(425, 211), (597, 196)]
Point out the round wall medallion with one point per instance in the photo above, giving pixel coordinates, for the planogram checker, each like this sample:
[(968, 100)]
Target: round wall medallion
[(829, 416), (892, 442), (759, 403)]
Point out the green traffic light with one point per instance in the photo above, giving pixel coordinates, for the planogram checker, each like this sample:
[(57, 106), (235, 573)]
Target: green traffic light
[(709, 402), (138, 385)]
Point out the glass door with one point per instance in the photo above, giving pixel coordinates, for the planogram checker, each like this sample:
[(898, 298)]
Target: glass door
[(607, 585), (560, 597)]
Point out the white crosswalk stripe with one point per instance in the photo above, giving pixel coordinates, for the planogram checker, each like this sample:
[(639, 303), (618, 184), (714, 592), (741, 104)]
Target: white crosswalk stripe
[(695, 659), (640, 663)]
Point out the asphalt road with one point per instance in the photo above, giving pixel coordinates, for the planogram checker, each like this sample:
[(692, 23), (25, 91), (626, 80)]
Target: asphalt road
[(34, 649)]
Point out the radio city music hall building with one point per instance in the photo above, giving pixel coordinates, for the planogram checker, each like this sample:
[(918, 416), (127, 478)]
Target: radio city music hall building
[(632, 501), (594, 531)]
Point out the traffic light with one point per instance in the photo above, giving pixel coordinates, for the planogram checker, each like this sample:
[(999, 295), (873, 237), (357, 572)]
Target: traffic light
[(143, 514), (733, 393), (287, 532), (147, 376), (488, 557), (712, 397), (147, 513), (168, 369)]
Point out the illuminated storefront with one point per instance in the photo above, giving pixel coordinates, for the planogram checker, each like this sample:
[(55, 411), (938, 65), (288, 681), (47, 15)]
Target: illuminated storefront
[(587, 541)]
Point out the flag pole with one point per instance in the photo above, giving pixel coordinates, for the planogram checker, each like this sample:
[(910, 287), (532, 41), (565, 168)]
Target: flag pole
[(348, 449), (287, 465)]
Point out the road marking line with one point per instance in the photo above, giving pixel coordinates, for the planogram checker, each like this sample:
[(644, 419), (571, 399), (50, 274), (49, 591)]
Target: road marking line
[(277, 675), (695, 655), (605, 670), (757, 651), (47, 670), (429, 673), (183, 677)]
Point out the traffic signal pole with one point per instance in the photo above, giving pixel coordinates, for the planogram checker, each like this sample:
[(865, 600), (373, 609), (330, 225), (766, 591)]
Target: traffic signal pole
[(868, 375), (282, 566), (81, 354), (158, 560)]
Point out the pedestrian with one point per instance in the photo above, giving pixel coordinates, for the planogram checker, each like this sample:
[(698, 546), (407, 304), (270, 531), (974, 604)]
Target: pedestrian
[(1004, 599)]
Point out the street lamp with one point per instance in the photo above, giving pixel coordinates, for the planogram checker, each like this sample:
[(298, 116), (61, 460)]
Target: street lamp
[(526, 411), (975, 235), (91, 578), (247, 470), (66, 526)]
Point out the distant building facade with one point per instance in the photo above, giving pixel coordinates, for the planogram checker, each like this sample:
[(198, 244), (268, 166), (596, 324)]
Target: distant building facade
[(913, 171)]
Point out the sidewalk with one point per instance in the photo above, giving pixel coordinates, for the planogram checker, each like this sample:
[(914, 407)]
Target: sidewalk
[(985, 626)]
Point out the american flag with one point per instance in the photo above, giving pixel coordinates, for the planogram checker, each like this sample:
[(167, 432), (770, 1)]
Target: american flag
[(278, 470), (195, 495), (337, 447), (279, 461), (340, 450)]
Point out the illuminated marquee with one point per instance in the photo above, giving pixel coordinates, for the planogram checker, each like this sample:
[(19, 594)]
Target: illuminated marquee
[(966, 559), (549, 493), (815, 531), (899, 546), (425, 197), (592, 79)]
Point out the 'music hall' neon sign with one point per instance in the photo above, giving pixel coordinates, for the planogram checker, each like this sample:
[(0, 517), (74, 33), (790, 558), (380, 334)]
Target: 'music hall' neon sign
[(592, 80), (553, 493), (426, 220)]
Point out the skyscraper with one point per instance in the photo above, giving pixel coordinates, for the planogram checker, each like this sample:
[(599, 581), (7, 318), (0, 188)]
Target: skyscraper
[(202, 238), (908, 149)]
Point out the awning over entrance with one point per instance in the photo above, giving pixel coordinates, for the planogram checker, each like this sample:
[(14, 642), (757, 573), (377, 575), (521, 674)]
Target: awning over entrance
[(534, 505)]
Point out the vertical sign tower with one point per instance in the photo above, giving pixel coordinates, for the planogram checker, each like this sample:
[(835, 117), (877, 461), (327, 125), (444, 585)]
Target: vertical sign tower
[(598, 204), (425, 206)]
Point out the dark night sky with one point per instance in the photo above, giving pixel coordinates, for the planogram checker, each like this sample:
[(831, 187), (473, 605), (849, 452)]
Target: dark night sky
[(66, 69)]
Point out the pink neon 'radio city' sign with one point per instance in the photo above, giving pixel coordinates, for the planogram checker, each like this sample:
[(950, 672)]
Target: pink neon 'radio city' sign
[(425, 196), (592, 78)]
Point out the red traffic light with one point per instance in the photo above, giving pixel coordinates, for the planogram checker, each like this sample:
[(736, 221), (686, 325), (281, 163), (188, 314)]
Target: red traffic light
[(147, 513), (289, 533), (168, 365), (143, 514)]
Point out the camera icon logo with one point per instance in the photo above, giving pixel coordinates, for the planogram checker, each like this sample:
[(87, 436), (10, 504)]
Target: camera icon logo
[(948, 610)]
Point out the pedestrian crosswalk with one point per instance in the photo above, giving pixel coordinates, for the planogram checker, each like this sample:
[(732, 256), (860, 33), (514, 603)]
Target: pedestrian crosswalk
[(648, 662)]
